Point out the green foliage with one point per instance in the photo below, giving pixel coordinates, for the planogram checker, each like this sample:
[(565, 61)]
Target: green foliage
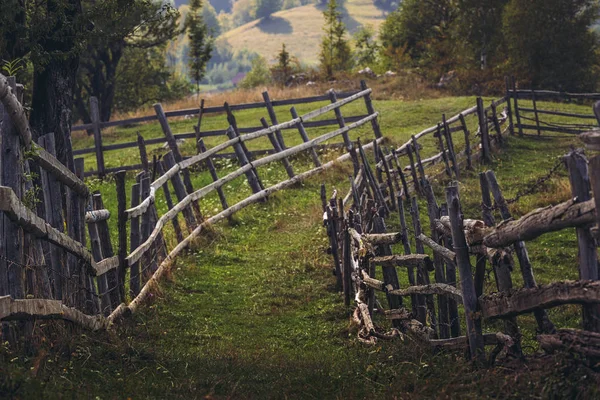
[(258, 75), (366, 48), (264, 8), (143, 78), (550, 42), (210, 18), (12, 67), (335, 52), (242, 12), (282, 71), (201, 43)]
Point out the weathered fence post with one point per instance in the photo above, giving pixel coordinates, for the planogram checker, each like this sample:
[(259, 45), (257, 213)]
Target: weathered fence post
[(541, 316), (190, 221), (11, 235), (502, 264), (339, 118), (407, 250), (111, 276), (463, 124), (143, 153), (213, 172), (187, 181), (95, 117), (305, 138), (413, 169), (535, 112), (511, 127), (451, 280), (105, 306), (588, 255), (278, 149), (252, 174), (483, 129), (122, 231), (443, 150), (516, 97), (419, 163), (273, 117), (371, 110), (464, 267), (450, 144), (134, 239)]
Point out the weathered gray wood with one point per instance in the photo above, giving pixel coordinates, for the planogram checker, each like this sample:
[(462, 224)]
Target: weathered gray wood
[(332, 221), (544, 323), (450, 142), (251, 174), (516, 97), (522, 301), (433, 212), (339, 118), (382, 238), (101, 278), (448, 255), (187, 181), (47, 309), (169, 200), (371, 179), (422, 273), (588, 256), (450, 277), (304, 137), (467, 141), (109, 296), (496, 123), (143, 153), (95, 117), (537, 118), (277, 148), (483, 129), (464, 266), (443, 152), (415, 148), (591, 139), (503, 265), (347, 265), (149, 261), (370, 110), (388, 174), (273, 117), (53, 214), (569, 214), (122, 233), (595, 182), (507, 96), (11, 176), (233, 125), (407, 251), (401, 175), (213, 173), (390, 275), (440, 289), (190, 220), (572, 341), (13, 107), (134, 240)]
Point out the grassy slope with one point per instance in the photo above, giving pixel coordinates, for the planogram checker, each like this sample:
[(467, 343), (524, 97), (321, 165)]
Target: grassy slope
[(300, 29), (250, 313)]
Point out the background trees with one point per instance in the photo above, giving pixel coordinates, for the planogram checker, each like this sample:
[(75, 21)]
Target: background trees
[(201, 43), (336, 54)]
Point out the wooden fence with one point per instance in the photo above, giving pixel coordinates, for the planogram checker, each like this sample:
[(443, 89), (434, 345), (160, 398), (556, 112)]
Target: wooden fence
[(96, 126), (46, 273), (542, 107), (359, 244)]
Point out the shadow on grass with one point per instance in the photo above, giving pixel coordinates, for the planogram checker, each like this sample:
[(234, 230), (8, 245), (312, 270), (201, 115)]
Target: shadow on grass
[(275, 26)]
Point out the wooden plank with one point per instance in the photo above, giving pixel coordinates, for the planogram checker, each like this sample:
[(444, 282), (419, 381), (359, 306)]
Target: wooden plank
[(95, 117), (572, 341), (511, 126), (448, 255), (537, 119), (559, 113), (434, 288), (13, 107), (424, 304), (31, 309), (135, 238), (522, 301), (339, 118), (304, 137), (516, 100), (407, 251), (96, 216), (568, 214), (111, 297), (544, 128), (483, 129), (577, 165), (464, 266), (273, 117), (49, 162), (101, 278)]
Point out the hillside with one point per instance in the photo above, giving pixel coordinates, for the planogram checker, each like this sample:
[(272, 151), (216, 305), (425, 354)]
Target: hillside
[(300, 29)]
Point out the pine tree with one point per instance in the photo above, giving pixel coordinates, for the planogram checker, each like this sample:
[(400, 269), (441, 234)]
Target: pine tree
[(335, 50), (284, 64), (201, 43), (264, 8)]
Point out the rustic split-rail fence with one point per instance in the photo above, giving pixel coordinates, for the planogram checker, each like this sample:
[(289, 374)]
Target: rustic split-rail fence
[(46, 269), (359, 244)]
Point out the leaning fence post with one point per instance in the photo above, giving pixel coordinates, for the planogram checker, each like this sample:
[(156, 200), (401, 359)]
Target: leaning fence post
[(143, 153), (535, 112), (305, 138), (483, 129), (443, 150), (273, 118), (516, 97), (424, 302), (339, 118), (463, 124), (278, 149), (371, 110), (190, 221), (450, 143), (588, 257), (511, 127), (95, 117), (134, 239), (251, 174), (464, 267), (122, 230)]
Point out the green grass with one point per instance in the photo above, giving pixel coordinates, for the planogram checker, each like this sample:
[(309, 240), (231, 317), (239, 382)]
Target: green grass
[(251, 312)]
